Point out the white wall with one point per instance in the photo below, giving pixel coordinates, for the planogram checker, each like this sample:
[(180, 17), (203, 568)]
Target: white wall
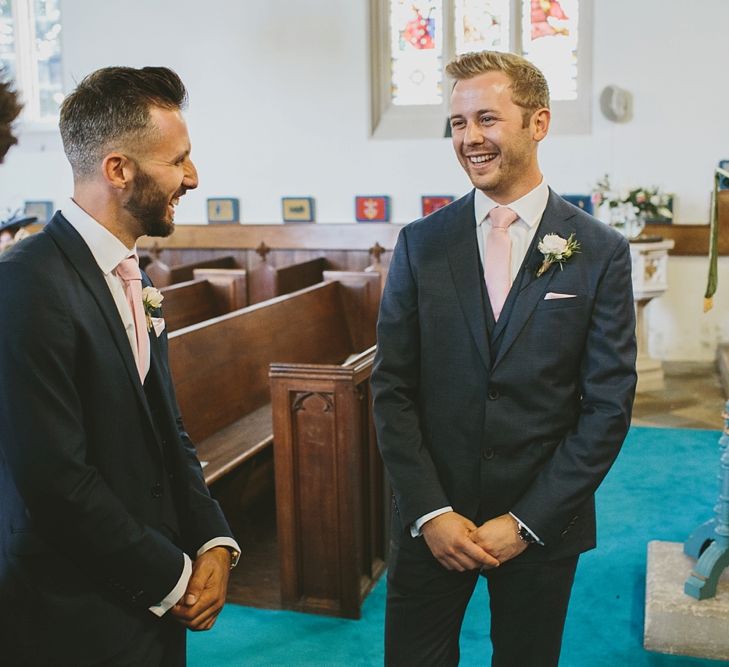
[(279, 106)]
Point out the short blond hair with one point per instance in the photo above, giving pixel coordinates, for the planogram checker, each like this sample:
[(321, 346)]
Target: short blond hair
[(529, 88)]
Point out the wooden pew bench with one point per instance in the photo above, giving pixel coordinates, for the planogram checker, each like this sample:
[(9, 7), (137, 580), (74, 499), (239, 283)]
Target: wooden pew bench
[(213, 292), (266, 281), (220, 366), (331, 494), (162, 275)]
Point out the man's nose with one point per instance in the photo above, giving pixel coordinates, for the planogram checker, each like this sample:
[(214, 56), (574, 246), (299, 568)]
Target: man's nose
[(474, 135), (190, 180)]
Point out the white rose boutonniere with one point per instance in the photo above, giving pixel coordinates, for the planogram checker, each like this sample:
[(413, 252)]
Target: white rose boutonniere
[(152, 300), (556, 250)]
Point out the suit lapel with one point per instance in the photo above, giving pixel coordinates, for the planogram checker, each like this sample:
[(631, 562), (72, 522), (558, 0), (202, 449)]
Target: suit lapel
[(80, 257), (556, 220), (154, 345), (464, 261)]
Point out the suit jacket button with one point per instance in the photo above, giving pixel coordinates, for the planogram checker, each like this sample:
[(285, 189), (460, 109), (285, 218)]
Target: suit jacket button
[(493, 394), (157, 490), (488, 454)]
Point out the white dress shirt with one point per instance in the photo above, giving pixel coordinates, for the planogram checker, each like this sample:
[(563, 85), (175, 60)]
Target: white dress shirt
[(530, 209), (108, 251)]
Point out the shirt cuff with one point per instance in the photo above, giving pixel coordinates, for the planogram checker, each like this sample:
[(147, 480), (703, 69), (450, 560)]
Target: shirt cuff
[(529, 530), (175, 595), (419, 523), (228, 542)]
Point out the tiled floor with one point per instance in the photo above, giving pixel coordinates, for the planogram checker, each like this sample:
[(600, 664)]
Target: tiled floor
[(693, 398)]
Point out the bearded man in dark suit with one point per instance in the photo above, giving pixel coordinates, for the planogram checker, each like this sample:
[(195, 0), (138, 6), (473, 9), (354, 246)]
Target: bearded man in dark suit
[(503, 384), (110, 544)]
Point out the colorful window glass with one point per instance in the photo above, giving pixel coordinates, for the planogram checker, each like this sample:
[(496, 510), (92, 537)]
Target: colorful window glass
[(416, 34), (549, 40), (482, 25)]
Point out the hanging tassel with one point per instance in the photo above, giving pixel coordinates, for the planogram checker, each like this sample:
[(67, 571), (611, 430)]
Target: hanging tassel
[(713, 278)]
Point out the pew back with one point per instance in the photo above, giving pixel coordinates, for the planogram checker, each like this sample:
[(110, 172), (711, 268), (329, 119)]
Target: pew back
[(220, 366), (189, 302), (162, 275), (266, 281), (214, 292)]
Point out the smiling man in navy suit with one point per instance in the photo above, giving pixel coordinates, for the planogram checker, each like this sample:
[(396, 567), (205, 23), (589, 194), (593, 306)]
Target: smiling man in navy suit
[(503, 384), (110, 544)]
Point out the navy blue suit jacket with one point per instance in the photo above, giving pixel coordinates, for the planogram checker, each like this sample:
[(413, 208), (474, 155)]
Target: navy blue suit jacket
[(531, 427), (100, 487)]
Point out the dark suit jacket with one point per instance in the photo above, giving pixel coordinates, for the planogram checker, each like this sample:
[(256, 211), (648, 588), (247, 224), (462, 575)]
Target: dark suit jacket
[(100, 487), (531, 427)]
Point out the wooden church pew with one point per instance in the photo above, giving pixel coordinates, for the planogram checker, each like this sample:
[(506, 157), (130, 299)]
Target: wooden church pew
[(162, 275), (266, 281), (214, 292), (220, 366)]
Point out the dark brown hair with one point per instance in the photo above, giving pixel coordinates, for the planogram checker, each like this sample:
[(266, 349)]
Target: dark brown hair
[(110, 108), (10, 107)]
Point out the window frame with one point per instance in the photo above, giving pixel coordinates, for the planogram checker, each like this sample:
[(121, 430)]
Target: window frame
[(27, 81), (390, 121)]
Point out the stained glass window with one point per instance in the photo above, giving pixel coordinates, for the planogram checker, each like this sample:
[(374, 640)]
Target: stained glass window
[(549, 40), (416, 34), (482, 25), (412, 40), (30, 52)]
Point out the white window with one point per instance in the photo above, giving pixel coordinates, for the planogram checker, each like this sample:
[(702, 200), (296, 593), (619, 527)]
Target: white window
[(412, 41), (30, 53)]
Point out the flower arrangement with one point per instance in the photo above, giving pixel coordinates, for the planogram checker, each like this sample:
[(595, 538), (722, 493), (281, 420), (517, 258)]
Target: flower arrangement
[(643, 202)]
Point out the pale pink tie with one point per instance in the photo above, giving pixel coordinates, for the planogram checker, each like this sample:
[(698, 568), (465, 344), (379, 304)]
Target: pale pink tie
[(497, 262), (131, 277)]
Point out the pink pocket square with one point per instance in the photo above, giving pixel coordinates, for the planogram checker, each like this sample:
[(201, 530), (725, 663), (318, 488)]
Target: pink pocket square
[(159, 325), (558, 295)]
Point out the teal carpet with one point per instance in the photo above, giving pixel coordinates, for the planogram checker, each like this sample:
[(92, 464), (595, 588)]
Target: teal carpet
[(661, 487)]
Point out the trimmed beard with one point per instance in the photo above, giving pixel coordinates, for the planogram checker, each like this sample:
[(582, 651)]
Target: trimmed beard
[(148, 204)]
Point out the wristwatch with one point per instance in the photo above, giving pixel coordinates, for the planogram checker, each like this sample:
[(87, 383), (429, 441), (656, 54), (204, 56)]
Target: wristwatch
[(524, 534), (234, 556)]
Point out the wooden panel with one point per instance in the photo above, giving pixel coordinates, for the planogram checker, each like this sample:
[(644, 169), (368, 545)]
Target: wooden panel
[(299, 275), (163, 274), (262, 283), (185, 271), (188, 303), (228, 448), (292, 237), (314, 440), (329, 486), (220, 367), (691, 239), (694, 239), (361, 291), (229, 286)]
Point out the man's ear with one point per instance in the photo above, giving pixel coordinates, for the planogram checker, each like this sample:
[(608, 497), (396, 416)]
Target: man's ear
[(540, 123), (118, 170)]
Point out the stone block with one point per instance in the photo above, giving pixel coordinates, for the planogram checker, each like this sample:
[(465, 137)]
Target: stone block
[(675, 622)]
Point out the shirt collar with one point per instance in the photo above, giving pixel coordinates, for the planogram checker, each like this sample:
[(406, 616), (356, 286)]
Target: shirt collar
[(106, 248), (529, 208)]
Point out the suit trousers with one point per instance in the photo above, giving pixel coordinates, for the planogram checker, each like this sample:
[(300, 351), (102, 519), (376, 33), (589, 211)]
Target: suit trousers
[(157, 643), (426, 604)]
